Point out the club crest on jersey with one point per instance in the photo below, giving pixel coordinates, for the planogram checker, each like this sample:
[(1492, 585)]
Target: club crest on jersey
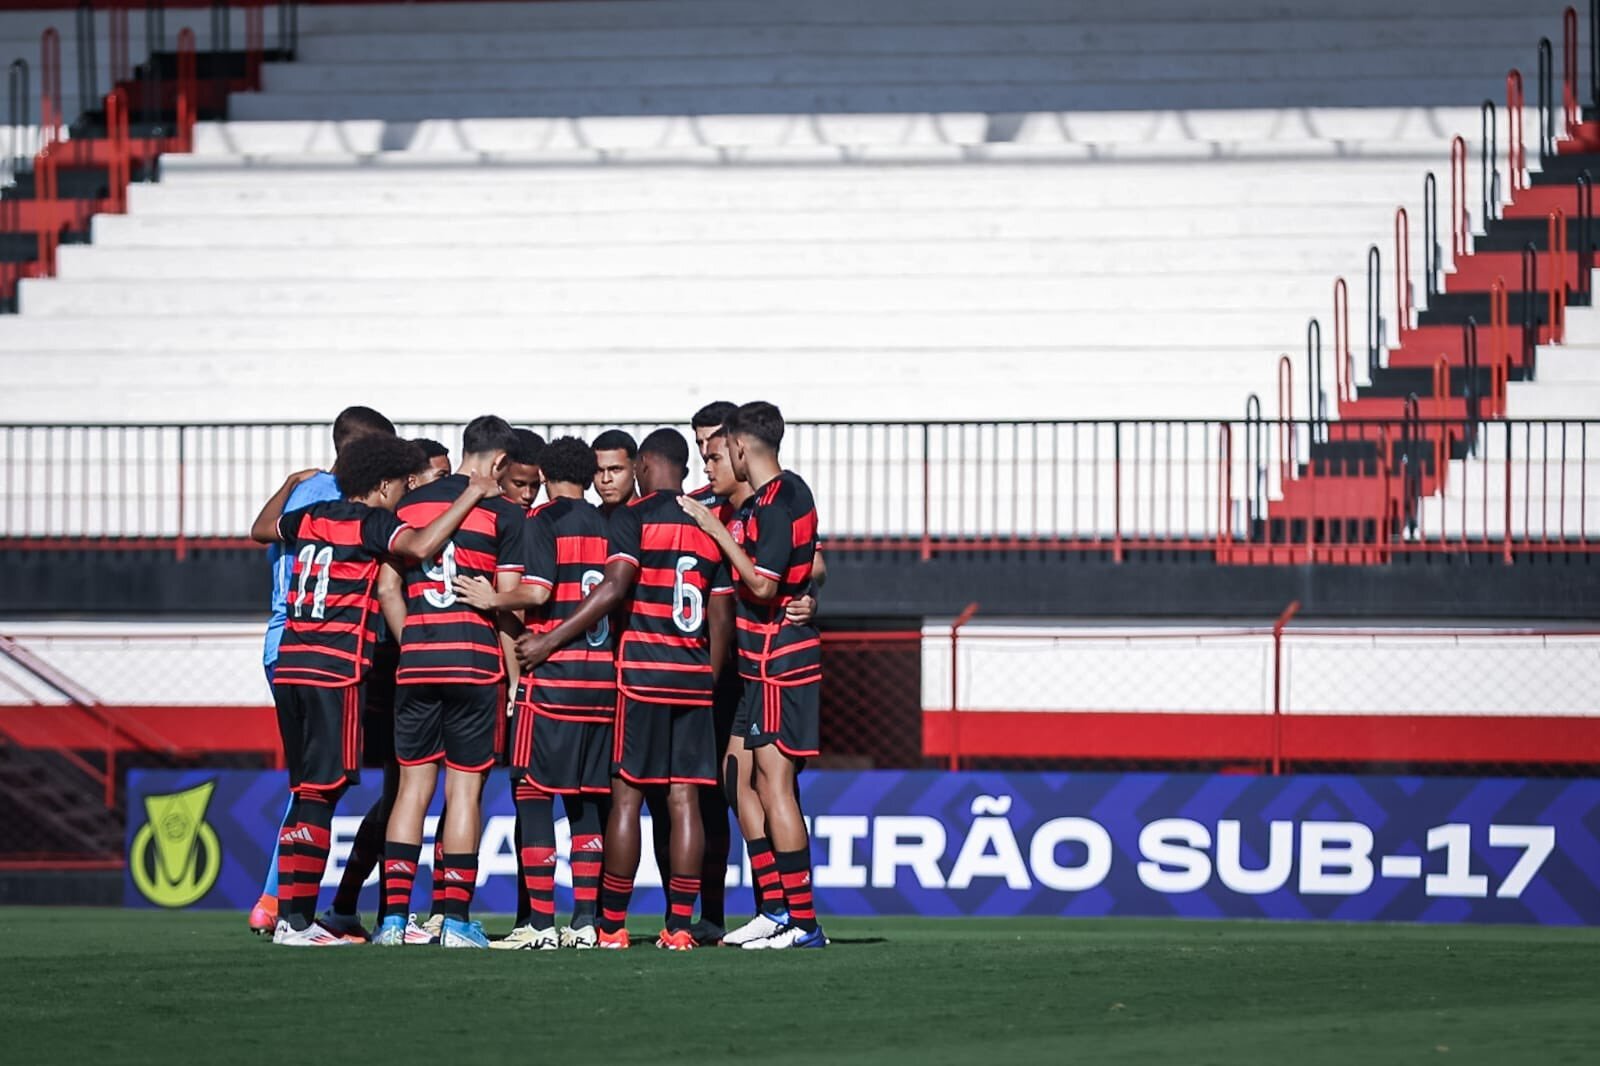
[(175, 856)]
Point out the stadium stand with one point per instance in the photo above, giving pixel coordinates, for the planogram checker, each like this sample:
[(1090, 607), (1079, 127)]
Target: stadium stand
[(1132, 225)]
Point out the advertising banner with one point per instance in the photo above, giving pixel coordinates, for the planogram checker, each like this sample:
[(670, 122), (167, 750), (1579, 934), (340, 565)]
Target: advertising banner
[(1435, 849)]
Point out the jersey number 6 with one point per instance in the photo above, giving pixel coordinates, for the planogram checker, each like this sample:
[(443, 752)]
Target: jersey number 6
[(688, 602)]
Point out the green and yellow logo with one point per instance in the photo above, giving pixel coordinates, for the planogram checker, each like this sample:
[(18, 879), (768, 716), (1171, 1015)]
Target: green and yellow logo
[(176, 856)]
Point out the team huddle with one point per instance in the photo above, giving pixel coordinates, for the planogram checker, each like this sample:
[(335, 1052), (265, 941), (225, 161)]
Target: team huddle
[(653, 652)]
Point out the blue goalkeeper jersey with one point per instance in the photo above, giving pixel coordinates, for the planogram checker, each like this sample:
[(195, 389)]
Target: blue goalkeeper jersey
[(317, 489)]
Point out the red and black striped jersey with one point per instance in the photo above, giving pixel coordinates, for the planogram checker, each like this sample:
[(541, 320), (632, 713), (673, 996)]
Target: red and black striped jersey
[(337, 547), (446, 641), (777, 527), (665, 652), (567, 542), (720, 506)]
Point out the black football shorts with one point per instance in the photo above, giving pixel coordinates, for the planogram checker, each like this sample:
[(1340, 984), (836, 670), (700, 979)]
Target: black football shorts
[(789, 716), (453, 722), (321, 733)]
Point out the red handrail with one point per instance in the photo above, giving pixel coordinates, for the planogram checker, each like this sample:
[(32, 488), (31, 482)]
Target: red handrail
[(253, 38), (1277, 683), (118, 168), (1402, 273), (187, 102), (117, 27), (955, 716), (1569, 68), (1499, 344), (1516, 150), (46, 187), (1557, 234), (1458, 198)]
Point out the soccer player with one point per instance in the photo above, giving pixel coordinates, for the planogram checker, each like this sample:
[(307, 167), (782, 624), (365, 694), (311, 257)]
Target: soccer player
[(615, 481), (438, 457), (448, 705), (562, 739), (669, 655), (777, 725), (351, 423), (725, 495), (377, 736), (522, 478), (326, 646)]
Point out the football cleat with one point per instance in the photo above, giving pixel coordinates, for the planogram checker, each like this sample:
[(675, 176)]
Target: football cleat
[(391, 932), (434, 925), (582, 938), (758, 928), (527, 938), (422, 934), (346, 925), (264, 917), (312, 936), (707, 934), (676, 940), (790, 937), (617, 941), (460, 933)]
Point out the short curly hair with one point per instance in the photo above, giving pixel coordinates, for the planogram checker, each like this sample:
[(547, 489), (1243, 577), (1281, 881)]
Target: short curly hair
[(569, 460), (367, 462)]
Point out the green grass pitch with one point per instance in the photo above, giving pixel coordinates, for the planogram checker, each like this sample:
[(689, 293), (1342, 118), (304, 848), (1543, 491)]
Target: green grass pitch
[(93, 986)]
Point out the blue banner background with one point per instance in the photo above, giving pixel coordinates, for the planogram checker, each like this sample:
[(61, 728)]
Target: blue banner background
[(1188, 845)]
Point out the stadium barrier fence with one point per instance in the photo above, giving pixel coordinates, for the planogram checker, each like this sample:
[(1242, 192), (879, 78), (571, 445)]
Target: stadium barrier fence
[(1253, 490)]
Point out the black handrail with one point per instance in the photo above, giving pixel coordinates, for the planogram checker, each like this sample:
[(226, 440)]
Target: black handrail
[(289, 28), (1410, 472), (1374, 308), (155, 42), (1585, 230), (1431, 252), (1530, 293), (88, 62), (1469, 351), (1547, 115), (19, 116), (1489, 161), (1255, 458), (1317, 399)]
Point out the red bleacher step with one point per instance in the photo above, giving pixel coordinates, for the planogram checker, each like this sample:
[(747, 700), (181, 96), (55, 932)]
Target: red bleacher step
[(1581, 139), (1537, 201), (45, 216), (1479, 272), (1423, 345)]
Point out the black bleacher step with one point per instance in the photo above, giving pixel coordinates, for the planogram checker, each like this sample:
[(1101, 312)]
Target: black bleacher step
[(18, 247), (72, 183), (1402, 381), (234, 64), (1515, 234), (1565, 169), (91, 126), (1454, 308)]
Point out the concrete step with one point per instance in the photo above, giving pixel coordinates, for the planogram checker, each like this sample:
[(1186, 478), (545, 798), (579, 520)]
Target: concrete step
[(644, 298)]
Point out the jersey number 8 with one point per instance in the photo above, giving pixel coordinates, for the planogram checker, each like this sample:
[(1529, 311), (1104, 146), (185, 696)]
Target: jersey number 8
[(688, 602), (600, 632)]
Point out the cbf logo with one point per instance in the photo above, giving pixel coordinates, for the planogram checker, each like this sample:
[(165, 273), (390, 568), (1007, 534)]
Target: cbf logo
[(175, 856)]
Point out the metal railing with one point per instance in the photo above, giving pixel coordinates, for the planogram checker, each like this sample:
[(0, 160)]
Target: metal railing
[(1418, 484)]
